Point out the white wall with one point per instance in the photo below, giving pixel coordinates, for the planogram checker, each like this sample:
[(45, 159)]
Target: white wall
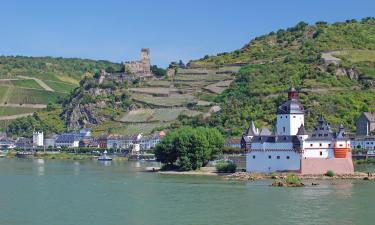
[(312, 149), (288, 124), (261, 162), (38, 138)]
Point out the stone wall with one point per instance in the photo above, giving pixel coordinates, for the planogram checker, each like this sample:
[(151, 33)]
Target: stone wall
[(321, 166)]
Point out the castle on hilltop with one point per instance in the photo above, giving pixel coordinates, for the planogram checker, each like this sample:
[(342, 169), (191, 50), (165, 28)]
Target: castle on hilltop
[(139, 67), (290, 148)]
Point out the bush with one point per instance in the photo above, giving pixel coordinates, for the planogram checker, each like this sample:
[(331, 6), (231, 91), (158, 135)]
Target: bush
[(292, 179), (330, 173), (226, 167)]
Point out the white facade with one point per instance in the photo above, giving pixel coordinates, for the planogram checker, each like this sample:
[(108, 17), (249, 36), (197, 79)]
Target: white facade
[(318, 149), (69, 144), (288, 124), (38, 138), (272, 161)]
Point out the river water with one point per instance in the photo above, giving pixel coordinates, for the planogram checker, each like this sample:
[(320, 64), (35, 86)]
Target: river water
[(54, 192)]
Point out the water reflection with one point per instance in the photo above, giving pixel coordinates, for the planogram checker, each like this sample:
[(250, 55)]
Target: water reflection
[(105, 163), (40, 167), (76, 168)]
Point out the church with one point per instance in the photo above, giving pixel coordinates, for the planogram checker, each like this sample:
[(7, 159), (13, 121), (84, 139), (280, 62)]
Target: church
[(289, 148)]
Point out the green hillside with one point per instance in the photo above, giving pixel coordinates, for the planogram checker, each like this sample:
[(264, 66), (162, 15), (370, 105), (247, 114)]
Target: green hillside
[(340, 91), (69, 70), (28, 84)]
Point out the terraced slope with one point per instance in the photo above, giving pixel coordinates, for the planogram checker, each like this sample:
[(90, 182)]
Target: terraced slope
[(161, 102)]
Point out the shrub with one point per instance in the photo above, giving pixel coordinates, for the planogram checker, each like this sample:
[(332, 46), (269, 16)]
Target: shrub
[(226, 167), (292, 179), (330, 173)]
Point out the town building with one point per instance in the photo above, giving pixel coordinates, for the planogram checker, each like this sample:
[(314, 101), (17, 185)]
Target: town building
[(102, 141), (364, 142), (290, 148), (233, 142), (120, 142), (365, 124), (69, 140), (38, 138)]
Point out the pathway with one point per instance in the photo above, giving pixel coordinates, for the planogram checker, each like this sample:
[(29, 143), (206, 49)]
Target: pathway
[(33, 106), (40, 82), (13, 117)]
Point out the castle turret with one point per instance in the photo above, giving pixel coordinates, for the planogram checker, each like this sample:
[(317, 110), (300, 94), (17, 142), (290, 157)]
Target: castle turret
[(290, 115)]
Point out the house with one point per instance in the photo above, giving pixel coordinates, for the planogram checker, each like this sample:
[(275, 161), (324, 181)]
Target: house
[(150, 141), (102, 141), (233, 142), (120, 142), (363, 142), (290, 148), (24, 143), (70, 140), (365, 124)]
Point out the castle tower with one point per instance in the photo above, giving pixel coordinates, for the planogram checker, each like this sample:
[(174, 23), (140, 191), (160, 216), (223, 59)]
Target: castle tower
[(290, 115), (145, 60)]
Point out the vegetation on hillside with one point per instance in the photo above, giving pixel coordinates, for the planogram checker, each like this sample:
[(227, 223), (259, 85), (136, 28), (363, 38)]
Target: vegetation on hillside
[(293, 57), (70, 70), (48, 121)]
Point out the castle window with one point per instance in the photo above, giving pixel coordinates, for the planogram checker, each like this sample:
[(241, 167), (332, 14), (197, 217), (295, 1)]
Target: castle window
[(253, 156), (311, 145), (288, 157), (314, 135), (329, 145), (320, 135), (286, 116), (340, 145), (294, 116), (278, 157), (320, 144), (325, 135), (281, 117), (269, 157), (321, 153), (283, 129)]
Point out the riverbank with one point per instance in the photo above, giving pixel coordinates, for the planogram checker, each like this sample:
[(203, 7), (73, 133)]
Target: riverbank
[(204, 171), (243, 176), (62, 155)]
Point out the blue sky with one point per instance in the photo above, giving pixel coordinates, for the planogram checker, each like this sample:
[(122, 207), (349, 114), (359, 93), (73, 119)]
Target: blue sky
[(116, 30)]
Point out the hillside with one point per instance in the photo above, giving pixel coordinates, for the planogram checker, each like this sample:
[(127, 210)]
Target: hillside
[(28, 84), (331, 64), (119, 107)]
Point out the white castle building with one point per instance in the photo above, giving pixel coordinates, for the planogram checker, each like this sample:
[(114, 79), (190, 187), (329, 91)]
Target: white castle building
[(38, 138), (291, 148)]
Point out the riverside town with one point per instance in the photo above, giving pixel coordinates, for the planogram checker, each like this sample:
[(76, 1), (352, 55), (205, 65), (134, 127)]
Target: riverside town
[(169, 112)]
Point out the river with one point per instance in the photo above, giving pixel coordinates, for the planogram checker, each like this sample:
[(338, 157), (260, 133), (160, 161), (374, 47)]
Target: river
[(54, 192)]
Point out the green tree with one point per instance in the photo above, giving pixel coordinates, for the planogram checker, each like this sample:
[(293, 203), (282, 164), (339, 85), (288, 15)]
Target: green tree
[(191, 147)]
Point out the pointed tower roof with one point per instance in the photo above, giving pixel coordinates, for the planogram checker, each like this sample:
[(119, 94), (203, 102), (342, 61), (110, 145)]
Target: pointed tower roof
[(252, 130), (301, 130)]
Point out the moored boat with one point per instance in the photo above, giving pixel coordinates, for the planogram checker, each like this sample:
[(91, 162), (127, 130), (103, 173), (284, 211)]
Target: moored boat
[(104, 157)]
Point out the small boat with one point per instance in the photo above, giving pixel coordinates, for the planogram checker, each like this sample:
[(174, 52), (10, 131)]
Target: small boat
[(104, 157)]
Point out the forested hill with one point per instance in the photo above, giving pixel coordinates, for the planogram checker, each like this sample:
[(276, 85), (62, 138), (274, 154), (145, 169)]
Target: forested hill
[(333, 65), (70, 70)]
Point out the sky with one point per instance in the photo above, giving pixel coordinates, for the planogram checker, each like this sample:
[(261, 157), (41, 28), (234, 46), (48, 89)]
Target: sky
[(116, 30)]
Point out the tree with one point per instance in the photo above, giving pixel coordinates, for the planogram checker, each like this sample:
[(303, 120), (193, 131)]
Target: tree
[(159, 72), (191, 147)]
